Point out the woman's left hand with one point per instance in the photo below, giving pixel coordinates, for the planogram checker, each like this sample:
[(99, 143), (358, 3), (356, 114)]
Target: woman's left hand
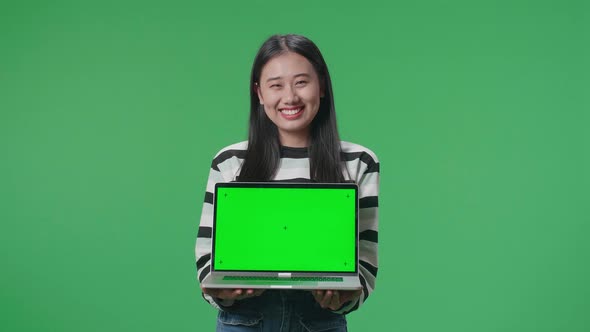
[(334, 299)]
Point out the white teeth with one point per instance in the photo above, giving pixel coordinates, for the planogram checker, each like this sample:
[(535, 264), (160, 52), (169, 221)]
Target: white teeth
[(291, 112)]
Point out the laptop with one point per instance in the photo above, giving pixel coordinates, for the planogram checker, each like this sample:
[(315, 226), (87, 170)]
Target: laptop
[(285, 235)]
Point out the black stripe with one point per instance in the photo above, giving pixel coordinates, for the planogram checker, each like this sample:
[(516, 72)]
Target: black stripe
[(204, 231), (205, 272), (203, 260), (365, 289), (369, 235), (225, 155), (297, 180), (363, 156), (349, 156), (372, 168), (369, 267), (294, 153), (299, 153), (208, 197), (368, 202)]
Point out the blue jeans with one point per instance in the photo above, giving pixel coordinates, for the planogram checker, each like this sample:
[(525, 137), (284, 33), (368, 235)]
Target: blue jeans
[(279, 311)]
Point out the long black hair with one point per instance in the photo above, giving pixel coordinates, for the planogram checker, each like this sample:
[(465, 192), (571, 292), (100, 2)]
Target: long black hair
[(263, 154)]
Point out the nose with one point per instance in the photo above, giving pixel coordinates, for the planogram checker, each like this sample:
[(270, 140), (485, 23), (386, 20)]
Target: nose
[(291, 96)]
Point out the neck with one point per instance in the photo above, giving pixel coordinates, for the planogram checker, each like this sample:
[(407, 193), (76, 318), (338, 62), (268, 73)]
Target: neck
[(294, 140)]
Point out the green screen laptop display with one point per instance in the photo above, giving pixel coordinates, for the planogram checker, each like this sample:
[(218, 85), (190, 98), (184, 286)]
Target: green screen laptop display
[(289, 229)]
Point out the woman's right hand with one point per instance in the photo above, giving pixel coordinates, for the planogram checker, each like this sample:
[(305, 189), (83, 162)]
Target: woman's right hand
[(232, 293)]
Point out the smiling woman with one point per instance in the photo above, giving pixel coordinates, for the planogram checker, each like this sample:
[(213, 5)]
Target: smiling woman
[(290, 92), (293, 137)]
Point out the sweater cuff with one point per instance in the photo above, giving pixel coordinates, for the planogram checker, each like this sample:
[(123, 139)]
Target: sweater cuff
[(224, 302), (346, 307), (217, 303)]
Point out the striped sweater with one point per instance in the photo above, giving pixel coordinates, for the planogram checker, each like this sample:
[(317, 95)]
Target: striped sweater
[(359, 165)]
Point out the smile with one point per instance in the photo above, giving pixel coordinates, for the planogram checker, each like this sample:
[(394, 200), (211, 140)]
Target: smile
[(291, 111)]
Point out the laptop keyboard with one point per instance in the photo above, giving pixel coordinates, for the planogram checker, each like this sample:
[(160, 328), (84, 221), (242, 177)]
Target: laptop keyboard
[(334, 279)]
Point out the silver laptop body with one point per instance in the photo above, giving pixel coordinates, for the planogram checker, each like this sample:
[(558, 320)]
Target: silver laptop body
[(284, 235)]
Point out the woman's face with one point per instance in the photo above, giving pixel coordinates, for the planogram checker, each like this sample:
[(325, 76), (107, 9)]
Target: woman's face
[(290, 91)]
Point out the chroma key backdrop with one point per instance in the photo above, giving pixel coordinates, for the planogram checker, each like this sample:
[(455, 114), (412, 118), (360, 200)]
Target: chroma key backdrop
[(111, 112)]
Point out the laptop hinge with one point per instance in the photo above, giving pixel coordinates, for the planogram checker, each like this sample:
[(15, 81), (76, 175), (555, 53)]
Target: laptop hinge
[(284, 275)]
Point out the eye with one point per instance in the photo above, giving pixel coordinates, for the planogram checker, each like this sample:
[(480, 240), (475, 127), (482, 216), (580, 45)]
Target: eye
[(301, 82), (275, 86)]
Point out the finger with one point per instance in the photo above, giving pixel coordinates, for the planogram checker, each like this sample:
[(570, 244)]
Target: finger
[(326, 299), (229, 294), (258, 292), (246, 294), (335, 302), (317, 295), (320, 295), (238, 293)]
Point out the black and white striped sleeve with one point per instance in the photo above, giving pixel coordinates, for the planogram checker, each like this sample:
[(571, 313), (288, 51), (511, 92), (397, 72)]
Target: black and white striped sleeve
[(224, 168), (203, 244), (368, 181)]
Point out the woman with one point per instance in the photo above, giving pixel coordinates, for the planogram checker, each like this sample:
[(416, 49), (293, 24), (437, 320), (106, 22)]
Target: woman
[(292, 137)]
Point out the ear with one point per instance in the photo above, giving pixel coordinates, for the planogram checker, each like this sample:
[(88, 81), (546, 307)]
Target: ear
[(259, 93)]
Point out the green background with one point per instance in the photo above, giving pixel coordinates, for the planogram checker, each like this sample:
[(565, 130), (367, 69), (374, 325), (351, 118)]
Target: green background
[(272, 221), (478, 110)]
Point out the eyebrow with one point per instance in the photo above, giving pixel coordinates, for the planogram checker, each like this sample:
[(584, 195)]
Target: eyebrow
[(279, 77)]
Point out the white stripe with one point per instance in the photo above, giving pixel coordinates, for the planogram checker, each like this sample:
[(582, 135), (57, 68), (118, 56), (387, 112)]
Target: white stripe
[(368, 190), (207, 215), (203, 247), (214, 177), (290, 163), (293, 173), (368, 278), (368, 252)]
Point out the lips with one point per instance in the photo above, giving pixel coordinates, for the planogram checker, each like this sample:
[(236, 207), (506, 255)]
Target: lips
[(291, 113)]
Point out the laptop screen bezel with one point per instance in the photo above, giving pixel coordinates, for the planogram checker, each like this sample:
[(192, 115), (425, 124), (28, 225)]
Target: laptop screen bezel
[(348, 185)]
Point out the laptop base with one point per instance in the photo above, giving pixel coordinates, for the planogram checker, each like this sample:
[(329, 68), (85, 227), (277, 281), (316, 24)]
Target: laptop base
[(219, 281)]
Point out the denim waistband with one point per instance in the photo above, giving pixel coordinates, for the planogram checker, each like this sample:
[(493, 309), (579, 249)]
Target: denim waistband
[(274, 302)]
